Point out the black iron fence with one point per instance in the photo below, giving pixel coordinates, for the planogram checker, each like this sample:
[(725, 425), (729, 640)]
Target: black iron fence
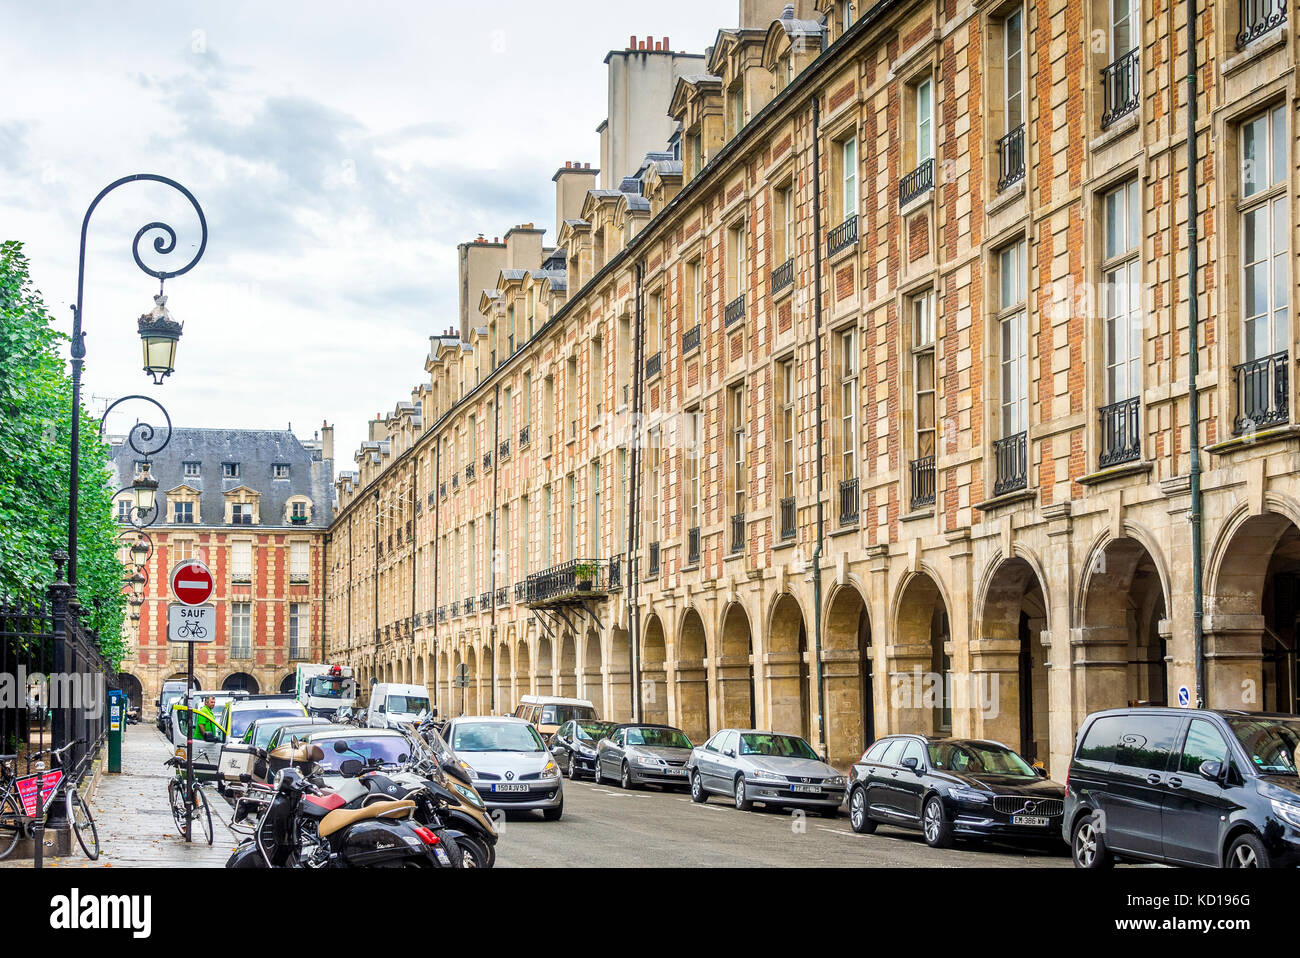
[(1262, 386), (917, 183), (842, 236), (1258, 17), (524, 435), (574, 579), (652, 566), (691, 339), (1011, 158), (781, 277), (922, 474), (1121, 87), (614, 578), (787, 519), (848, 501), (1009, 464), (1121, 440), (735, 311), (693, 545), (738, 532), (653, 365)]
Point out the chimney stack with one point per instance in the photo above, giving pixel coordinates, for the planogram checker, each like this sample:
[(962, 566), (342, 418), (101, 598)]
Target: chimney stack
[(326, 441)]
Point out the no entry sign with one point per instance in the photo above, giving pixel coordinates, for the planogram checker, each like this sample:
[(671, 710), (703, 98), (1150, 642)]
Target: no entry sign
[(192, 582)]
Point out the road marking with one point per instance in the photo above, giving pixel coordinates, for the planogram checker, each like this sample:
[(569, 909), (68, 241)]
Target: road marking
[(839, 831)]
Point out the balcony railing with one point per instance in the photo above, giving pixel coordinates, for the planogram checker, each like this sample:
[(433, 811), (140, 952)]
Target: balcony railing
[(652, 566), (848, 501), (1258, 17), (1011, 158), (781, 277), (503, 597), (1263, 387), (1009, 464), (524, 436), (843, 236), (693, 545), (484, 601), (691, 339), (470, 604), (455, 609), (241, 650), (788, 529), (442, 489), (738, 532), (299, 650), (735, 311), (614, 577), (503, 450), (1121, 86), (442, 613), (487, 461), (568, 582), (521, 590), (922, 475), (653, 365), (469, 472), (1121, 439), (917, 183)]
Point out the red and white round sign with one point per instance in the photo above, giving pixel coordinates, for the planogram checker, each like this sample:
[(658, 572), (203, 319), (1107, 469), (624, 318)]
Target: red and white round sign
[(192, 582)]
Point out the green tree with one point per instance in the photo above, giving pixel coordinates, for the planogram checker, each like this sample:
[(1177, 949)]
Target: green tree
[(35, 449)]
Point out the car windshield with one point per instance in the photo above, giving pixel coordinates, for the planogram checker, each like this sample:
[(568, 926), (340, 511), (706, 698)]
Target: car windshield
[(262, 732), (326, 688), (283, 734), (388, 749), (408, 704), (240, 719), (1271, 743), (590, 731), (974, 758), (781, 746), (658, 738), (559, 714), (496, 737)]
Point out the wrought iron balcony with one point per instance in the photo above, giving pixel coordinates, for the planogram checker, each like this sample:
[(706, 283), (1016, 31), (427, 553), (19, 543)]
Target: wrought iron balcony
[(503, 450), (1121, 437), (691, 339), (1011, 158), (521, 590), (487, 461), (738, 533), (842, 236), (653, 365), (922, 475), (469, 472), (1263, 389), (503, 597), (917, 183), (470, 604), (1121, 86), (1009, 464), (615, 574), (484, 601), (693, 545), (781, 277), (1258, 17), (788, 529), (735, 311), (849, 501), (442, 613), (652, 566), (524, 436), (569, 582)]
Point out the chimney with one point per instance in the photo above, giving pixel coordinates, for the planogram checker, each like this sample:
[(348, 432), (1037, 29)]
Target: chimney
[(666, 46), (631, 42), (327, 441)]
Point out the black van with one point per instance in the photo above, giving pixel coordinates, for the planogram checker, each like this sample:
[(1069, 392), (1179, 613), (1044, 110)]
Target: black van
[(1185, 787)]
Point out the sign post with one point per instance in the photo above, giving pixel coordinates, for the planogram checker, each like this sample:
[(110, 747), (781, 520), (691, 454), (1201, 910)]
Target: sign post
[(193, 585), (462, 683)]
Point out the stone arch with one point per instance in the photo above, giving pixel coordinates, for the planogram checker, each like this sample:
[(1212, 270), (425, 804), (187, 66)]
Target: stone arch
[(241, 680), (289, 683), (691, 677), (654, 671), (787, 669), (589, 673), (920, 664), (567, 672), (618, 672), (735, 670), (847, 675), (545, 666), (505, 700), (522, 669), (133, 689), (472, 692), (442, 693), (1009, 661)]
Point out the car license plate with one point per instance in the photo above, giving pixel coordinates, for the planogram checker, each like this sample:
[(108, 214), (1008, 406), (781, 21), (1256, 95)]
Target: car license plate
[(805, 788), (510, 788), (674, 771), (1028, 820)]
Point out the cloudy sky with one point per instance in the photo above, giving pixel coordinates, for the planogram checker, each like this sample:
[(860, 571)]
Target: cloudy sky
[(340, 152)]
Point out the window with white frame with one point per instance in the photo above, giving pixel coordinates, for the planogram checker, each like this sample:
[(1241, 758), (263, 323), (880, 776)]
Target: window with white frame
[(654, 453), (299, 559), (1124, 26), (182, 512), (738, 492), (548, 506), (280, 470), (848, 149), (787, 428), (297, 647), (1012, 340), (923, 375), (571, 527), (192, 470), (1122, 292), (1013, 68), (241, 630), (241, 561), (692, 451), (924, 93), (736, 260), (593, 528), (1265, 264), (848, 343)]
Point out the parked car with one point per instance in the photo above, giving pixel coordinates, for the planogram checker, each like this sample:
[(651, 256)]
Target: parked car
[(511, 766), (241, 712), (771, 768), (949, 787), (574, 745), (389, 746), (1193, 787), (393, 705), (548, 712), (638, 754)]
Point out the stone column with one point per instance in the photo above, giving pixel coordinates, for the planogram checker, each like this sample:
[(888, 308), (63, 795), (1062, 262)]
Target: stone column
[(781, 672), (1234, 661), (842, 676), (692, 701), (993, 691), (907, 669)]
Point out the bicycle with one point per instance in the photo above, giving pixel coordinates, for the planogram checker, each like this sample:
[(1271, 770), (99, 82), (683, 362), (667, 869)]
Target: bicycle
[(187, 630), (18, 802), (186, 808)]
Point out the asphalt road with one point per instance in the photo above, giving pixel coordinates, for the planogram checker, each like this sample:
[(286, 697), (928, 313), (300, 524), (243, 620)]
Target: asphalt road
[(604, 826)]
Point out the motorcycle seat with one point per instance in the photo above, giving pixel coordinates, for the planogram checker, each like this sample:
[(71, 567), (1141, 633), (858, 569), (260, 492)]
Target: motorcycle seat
[(343, 817)]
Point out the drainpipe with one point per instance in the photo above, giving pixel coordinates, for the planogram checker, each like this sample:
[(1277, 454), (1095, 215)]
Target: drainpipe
[(1193, 363), (634, 501), (492, 579), (817, 337)]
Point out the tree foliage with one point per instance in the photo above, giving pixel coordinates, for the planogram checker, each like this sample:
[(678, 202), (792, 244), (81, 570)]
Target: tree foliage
[(35, 450)]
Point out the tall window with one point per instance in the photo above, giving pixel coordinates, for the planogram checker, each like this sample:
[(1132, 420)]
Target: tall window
[(787, 429), (655, 455), (241, 630), (595, 379), (507, 413), (572, 524), (1266, 276), (1014, 370), (849, 174), (1123, 27), (505, 543), (692, 451), (1014, 75), (848, 404), (471, 570), (526, 401), (695, 287), (654, 323), (1122, 292), (923, 374), (523, 537), (783, 218), (924, 120), (736, 264), (295, 630), (737, 93), (547, 541), (737, 404), (182, 549), (241, 561), (299, 557)]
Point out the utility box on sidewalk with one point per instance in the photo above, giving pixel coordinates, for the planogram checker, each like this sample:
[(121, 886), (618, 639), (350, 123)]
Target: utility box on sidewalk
[(118, 703)]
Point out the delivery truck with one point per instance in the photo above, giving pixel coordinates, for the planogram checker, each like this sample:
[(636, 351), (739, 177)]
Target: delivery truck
[(324, 689)]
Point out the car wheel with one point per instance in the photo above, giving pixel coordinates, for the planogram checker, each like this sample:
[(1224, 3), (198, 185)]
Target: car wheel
[(625, 780), (573, 767), (938, 832), (743, 804), (1088, 847), (595, 775), (859, 820), (1247, 851), (553, 814), (698, 794)]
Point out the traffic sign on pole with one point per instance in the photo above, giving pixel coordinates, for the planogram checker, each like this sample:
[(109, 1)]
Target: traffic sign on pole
[(192, 582), (191, 623)]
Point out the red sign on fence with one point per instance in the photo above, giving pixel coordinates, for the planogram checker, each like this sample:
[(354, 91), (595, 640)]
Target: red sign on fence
[(27, 790)]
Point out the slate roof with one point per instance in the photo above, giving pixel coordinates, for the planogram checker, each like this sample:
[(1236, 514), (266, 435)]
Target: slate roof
[(256, 451)]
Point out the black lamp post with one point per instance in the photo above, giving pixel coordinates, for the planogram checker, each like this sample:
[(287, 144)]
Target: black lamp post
[(159, 333)]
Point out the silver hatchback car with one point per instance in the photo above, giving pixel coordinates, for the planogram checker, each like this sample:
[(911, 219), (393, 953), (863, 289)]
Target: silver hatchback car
[(771, 768), (509, 763)]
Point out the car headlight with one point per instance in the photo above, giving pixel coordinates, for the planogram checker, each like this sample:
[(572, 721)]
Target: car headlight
[(649, 760), (835, 781), (468, 794), (586, 752), (764, 775), (551, 770), (963, 794), (1287, 812)]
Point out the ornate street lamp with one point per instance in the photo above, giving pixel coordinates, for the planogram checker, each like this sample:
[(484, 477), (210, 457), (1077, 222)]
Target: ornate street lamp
[(145, 487), (159, 333)]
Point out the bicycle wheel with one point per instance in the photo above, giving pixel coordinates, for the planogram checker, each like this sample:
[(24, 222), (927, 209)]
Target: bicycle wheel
[(176, 799), (83, 825), (202, 813), (11, 824)]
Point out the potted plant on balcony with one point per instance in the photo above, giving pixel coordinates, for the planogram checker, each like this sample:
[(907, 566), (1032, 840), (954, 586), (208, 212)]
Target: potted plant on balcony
[(584, 575)]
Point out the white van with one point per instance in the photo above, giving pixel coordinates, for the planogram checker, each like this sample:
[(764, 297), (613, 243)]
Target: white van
[(392, 705)]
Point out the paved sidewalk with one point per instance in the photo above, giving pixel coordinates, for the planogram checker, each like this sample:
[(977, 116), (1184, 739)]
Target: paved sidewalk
[(135, 824)]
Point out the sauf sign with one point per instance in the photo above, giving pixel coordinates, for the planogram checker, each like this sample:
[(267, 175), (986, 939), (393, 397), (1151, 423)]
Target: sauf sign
[(78, 912)]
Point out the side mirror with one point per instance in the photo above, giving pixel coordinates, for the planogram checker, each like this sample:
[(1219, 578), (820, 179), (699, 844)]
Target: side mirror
[(1040, 771), (341, 746), (1211, 770), (730, 753), (912, 763)]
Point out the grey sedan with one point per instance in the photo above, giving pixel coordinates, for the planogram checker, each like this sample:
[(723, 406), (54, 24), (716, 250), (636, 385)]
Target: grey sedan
[(771, 768), (643, 754), (509, 763)]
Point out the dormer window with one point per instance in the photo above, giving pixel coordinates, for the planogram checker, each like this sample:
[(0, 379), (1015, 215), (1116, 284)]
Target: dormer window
[(192, 470), (241, 514), (230, 470), (280, 470)]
